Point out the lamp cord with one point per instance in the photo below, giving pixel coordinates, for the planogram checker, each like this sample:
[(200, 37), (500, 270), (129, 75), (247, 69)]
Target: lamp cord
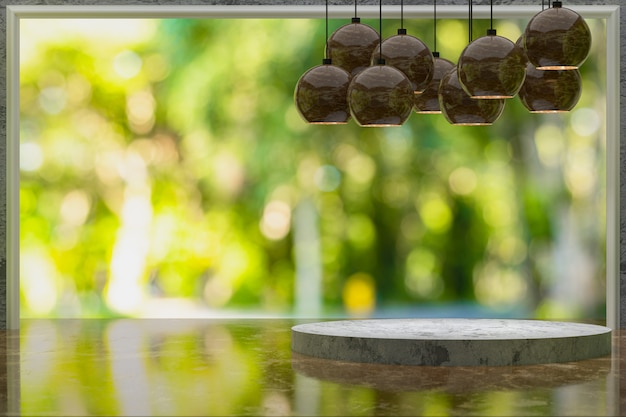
[(470, 20), (401, 14), (327, 53), (355, 14), (380, 30), (491, 16), (435, 25)]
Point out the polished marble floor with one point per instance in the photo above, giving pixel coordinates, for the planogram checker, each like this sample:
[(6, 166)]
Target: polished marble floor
[(178, 367)]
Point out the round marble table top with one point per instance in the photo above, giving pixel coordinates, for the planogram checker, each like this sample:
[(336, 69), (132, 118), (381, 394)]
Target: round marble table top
[(450, 329), (463, 342)]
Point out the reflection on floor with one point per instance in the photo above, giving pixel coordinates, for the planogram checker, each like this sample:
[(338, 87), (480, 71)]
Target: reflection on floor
[(246, 367)]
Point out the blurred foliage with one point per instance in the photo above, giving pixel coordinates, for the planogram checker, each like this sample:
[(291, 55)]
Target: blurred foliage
[(164, 167)]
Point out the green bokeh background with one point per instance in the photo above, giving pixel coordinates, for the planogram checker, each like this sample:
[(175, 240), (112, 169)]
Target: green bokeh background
[(165, 171)]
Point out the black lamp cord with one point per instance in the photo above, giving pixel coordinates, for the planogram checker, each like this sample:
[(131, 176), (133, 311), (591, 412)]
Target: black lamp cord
[(470, 23), (435, 25), (402, 14), (327, 52), (491, 15), (380, 31)]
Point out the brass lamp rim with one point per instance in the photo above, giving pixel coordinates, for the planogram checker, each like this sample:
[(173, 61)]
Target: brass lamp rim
[(557, 67), (380, 125), (548, 111), (327, 123), (492, 97), (472, 124)]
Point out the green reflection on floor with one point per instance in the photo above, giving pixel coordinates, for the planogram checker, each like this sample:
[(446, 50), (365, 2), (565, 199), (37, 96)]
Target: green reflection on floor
[(246, 367)]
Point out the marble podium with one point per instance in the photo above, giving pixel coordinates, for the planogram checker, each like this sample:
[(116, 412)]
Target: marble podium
[(451, 342)]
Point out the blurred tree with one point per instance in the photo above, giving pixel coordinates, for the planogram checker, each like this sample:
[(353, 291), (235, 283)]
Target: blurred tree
[(169, 166)]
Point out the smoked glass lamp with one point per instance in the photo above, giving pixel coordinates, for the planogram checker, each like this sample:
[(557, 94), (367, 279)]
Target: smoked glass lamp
[(411, 56), (550, 91), (380, 95), (321, 93), (462, 110), (408, 54), (351, 46), (492, 67), (557, 38), (428, 101)]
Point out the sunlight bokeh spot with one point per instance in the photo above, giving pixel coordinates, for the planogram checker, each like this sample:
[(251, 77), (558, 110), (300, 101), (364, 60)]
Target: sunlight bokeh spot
[(498, 213), (127, 64), (359, 294), (217, 292), (276, 220), (512, 250), (550, 144), (140, 109), (229, 173), (498, 151), (75, 207), (38, 277), (361, 168), (361, 231), (53, 99), (495, 286), (78, 90), (580, 172), (585, 121), (396, 191), (327, 178), (156, 67), (31, 156), (421, 278), (435, 214), (455, 40), (462, 181)]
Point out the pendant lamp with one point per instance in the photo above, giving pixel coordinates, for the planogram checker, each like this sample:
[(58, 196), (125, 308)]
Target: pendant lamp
[(428, 101), (321, 92), (557, 39), (462, 110), (351, 46), (550, 91), (408, 54), (492, 67), (380, 95)]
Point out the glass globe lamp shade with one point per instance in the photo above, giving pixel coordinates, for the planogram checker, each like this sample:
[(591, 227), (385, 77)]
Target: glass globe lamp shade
[(379, 96), (550, 91), (557, 39), (321, 95), (428, 101), (351, 46), (492, 67), (410, 55), (463, 110)]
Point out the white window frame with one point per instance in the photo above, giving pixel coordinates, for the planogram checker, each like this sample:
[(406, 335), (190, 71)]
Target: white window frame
[(14, 13)]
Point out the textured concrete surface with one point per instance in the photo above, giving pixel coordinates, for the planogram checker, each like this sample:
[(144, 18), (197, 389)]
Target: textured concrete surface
[(3, 149), (451, 342)]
